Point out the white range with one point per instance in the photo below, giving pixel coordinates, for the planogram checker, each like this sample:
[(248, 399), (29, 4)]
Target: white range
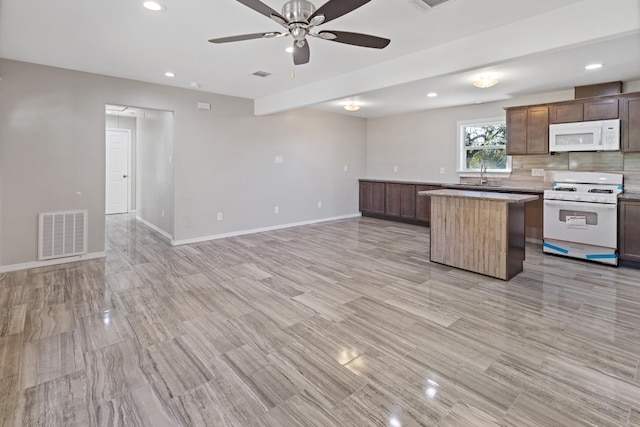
[(581, 216)]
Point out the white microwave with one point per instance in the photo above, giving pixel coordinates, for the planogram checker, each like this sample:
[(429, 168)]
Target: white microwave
[(601, 135)]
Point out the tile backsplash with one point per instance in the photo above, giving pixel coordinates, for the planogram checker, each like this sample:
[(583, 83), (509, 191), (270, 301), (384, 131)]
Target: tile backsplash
[(615, 161)]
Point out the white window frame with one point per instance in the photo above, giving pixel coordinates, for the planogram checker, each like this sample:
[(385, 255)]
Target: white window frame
[(461, 151)]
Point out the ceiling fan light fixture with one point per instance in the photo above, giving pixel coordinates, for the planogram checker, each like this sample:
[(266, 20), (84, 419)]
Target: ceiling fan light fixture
[(316, 20), (154, 6), (485, 81), (352, 107)]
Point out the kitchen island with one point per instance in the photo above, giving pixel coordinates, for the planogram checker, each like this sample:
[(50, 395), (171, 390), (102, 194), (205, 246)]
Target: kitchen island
[(479, 231)]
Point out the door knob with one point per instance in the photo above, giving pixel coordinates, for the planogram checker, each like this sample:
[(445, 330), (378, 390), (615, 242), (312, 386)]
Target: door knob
[(124, 176)]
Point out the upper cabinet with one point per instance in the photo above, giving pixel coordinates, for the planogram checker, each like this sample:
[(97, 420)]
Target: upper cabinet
[(584, 110), (528, 126), (528, 130), (630, 112)]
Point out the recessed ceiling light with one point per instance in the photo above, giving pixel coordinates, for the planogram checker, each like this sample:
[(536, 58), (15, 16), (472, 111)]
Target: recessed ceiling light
[(432, 94), (289, 49), (352, 107), (154, 6), (593, 66), (169, 74)]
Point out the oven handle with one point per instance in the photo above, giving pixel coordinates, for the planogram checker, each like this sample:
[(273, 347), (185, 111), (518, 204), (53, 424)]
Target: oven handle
[(582, 205)]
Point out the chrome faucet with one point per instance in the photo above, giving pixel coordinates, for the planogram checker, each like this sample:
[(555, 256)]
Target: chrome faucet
[(483, 170)]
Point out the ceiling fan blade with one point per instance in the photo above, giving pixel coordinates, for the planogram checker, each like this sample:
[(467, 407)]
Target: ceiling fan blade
[(336, 8), (245, 37), (301, 54), (356, 39), (265, 10)]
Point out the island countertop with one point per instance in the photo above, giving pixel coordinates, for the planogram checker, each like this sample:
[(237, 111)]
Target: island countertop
[(485, 195)]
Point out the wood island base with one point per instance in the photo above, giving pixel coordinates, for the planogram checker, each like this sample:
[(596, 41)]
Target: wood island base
[(483, 232)]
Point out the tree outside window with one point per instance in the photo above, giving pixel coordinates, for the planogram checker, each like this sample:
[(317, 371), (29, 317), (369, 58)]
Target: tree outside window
[(484, 142)]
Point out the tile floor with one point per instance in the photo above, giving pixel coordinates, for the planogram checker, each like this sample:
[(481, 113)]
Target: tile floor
[(344, 323)]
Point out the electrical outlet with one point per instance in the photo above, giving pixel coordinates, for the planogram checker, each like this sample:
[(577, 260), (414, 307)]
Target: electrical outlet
[(441, 171), (276, 210), (537, 172), (319, 204), (219, 216), (395, 169), (346, 168)]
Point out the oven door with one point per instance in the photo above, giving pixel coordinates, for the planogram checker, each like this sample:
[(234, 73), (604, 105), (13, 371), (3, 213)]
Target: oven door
[(581, 222)]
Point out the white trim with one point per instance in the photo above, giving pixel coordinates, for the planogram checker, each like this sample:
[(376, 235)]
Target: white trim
[(36, 264), (155, 228), (259, 230), (460, 160)]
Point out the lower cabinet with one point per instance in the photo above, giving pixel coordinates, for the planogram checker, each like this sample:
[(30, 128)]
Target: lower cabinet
[(372, 198), (400, 201), (629, 226), (423, 203)]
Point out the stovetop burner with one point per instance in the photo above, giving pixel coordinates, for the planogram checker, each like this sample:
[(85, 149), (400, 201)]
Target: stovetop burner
[(600, 190), (565, 189)]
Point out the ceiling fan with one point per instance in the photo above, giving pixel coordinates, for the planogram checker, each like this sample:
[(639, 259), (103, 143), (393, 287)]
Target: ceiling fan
[(300, 17)]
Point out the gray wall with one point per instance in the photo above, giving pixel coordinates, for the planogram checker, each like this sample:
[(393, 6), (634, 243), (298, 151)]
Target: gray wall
[(156, 172), (421, 143), (52, 157), (113, 121)]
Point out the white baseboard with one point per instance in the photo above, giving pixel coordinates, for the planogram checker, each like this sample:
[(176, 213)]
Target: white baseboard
[(155, 228), (259, 230), (36, 264)]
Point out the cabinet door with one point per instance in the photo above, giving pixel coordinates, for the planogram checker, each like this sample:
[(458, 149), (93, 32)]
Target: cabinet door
[(630, 115), (517, 130), (629, 230), (538, 130), (423, 203), (408, 201), (377, 198), (601, 109), (372, 197), (566, 113), (401, 201)]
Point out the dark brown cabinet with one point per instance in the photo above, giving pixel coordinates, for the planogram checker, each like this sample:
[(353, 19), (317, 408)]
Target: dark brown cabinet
[(538, 130), (423, 203), (601, 109), (528, 130), (579, 111), (372, 197), (400, 201), (566, 113), (629, 230), (630, 114)]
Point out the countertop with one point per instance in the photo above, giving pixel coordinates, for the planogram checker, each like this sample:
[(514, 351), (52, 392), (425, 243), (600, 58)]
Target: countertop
[(477, 187), (485, 195), (630, 196)]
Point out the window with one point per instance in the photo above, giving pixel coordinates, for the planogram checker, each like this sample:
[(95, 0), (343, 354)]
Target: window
[(483, 142)]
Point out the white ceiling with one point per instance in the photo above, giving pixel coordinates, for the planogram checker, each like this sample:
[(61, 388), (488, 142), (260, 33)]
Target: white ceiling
[(531, 47)]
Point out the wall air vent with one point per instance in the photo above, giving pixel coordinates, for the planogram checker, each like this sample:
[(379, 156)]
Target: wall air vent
[(425, 5), (261, 74), (62, 234)]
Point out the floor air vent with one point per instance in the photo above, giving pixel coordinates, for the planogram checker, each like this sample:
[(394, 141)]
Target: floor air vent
[(62, 234)]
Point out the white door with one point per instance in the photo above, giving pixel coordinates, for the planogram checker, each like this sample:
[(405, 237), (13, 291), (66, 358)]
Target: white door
[(118, 142)]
